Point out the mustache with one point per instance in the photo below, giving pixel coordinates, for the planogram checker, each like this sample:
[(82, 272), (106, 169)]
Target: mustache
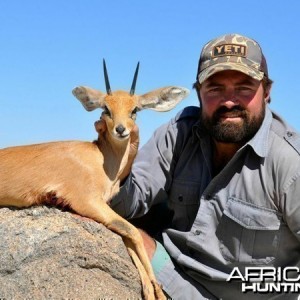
[(236, 111)]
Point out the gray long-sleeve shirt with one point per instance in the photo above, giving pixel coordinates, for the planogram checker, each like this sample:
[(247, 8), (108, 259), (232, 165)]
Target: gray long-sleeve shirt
[(248, 215)]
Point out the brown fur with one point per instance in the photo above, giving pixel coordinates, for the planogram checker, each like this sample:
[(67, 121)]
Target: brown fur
[(84, 176)]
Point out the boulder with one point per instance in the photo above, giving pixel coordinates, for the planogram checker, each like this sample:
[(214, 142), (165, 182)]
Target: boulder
[(46, 253)]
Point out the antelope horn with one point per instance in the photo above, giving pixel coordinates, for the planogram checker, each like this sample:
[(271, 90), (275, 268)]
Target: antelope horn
[(108, 90), (134, 79)]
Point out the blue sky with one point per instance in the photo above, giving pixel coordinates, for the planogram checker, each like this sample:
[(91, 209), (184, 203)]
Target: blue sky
[(49, 47)]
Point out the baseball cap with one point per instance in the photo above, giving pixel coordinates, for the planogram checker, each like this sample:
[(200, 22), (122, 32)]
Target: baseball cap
[(232, 52)]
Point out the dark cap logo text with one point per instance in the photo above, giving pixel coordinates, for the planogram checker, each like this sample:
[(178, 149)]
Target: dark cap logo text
[(229, 49)]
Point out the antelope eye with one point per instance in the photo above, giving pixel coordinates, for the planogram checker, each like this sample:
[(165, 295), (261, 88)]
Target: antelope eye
[(133, 113), (106, 111)]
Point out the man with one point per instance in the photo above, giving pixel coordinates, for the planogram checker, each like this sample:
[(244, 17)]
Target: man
[(229, 173)]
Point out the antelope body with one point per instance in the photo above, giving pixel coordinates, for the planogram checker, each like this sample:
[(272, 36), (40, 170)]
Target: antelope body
[(84, 176)]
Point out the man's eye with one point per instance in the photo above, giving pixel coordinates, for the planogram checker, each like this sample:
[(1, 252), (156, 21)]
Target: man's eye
[(215, 90), (245, 90)]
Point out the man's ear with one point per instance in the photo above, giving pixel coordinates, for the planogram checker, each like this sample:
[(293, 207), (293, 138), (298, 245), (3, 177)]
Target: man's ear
[(267, 95)]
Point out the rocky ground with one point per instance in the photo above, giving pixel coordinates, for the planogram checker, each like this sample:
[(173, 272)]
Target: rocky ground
[(49, 254)]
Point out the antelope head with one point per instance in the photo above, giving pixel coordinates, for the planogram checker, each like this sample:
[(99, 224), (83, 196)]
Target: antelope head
[(120, 107)]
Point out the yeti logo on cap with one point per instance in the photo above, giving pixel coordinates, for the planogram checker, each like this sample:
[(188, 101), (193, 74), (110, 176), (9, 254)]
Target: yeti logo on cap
[(229, 49)]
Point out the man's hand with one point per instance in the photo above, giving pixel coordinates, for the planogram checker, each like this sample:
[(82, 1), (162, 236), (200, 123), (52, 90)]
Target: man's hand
[(100, 127), (134, 146), (134, 142)]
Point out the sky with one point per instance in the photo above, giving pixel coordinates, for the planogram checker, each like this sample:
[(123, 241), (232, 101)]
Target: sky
[(50, 47)]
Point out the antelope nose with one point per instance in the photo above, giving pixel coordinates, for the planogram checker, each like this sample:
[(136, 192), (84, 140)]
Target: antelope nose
[(120, 129)]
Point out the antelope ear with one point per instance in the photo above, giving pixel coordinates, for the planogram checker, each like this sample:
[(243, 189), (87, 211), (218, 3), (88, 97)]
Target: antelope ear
[(163, 99), (89, 98)]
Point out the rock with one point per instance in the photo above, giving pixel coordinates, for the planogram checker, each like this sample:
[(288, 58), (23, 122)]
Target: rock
[(49, 254)]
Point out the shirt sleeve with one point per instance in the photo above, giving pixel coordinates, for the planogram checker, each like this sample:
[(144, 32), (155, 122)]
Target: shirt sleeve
[(150, 176), (291, 205)]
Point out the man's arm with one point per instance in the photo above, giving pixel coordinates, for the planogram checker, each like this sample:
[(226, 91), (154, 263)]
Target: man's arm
[(291, 205)]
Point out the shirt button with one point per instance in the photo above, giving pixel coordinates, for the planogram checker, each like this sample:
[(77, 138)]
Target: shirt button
[(180, 198), (197, 232), (289, 134)]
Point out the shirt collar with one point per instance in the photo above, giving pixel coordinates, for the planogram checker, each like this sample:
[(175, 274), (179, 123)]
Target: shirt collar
[(259, 142)]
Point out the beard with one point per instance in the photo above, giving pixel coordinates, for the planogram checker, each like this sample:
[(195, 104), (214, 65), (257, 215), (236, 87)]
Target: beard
[(231, 132)]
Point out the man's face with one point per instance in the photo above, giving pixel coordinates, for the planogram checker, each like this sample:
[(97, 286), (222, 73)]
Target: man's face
[(233, 106)]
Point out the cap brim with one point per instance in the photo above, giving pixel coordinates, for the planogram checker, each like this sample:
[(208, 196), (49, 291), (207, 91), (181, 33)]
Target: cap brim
[(209, 71)]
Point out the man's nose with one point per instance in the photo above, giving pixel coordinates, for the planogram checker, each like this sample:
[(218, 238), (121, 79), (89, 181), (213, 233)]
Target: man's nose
[(229, 98)]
